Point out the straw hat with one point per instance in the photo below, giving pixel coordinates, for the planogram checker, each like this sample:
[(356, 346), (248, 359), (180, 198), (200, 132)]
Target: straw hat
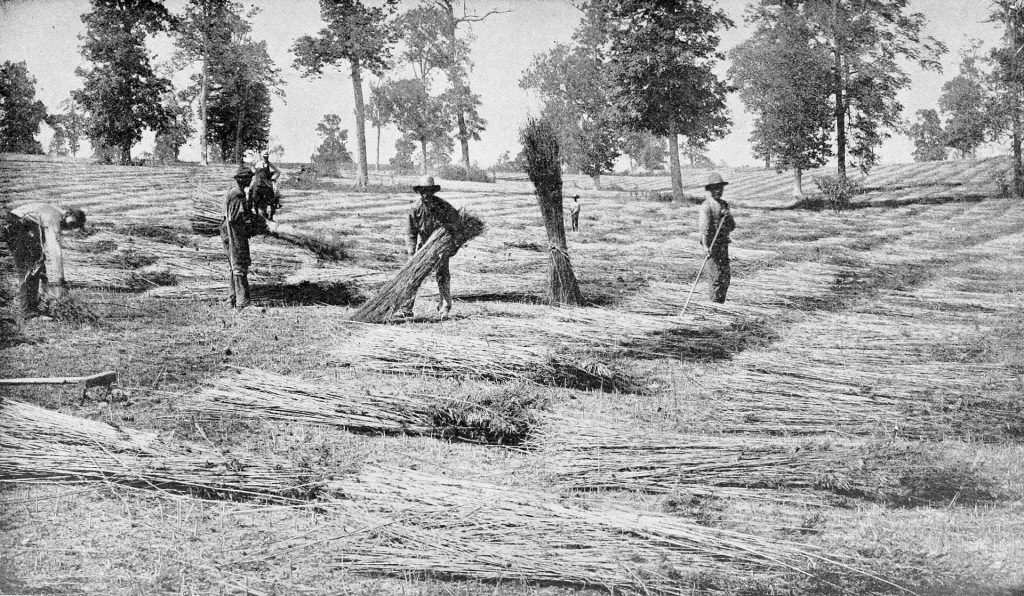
[(426, 183), (715, 179)]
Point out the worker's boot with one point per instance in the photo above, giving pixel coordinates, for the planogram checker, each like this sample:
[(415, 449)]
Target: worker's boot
[(242, 291)]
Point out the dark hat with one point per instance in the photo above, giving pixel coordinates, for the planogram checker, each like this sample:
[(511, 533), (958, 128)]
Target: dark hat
[(243, 172), (575, 196), (715, 179), (77, 216), (426, 183)]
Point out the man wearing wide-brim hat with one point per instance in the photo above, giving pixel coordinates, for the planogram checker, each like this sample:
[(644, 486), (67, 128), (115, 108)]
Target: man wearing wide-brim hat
[(234, 233), (714, 226), (427, 214)]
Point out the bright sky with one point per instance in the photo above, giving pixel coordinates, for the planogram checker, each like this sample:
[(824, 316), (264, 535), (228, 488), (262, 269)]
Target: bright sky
[(44, 34)]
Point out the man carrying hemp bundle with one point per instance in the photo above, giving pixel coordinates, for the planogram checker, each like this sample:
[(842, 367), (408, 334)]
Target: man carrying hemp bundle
[(714, 225), (428, 214)]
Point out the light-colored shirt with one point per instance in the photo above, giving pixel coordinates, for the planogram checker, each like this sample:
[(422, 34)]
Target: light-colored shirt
[(713, 212), (49, 218)]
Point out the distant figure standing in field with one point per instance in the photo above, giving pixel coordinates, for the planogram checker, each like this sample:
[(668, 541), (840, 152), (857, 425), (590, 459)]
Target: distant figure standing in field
[(33, 236), (428, 214), (235, 230), (714, 225), (574, 213), (262, 191)]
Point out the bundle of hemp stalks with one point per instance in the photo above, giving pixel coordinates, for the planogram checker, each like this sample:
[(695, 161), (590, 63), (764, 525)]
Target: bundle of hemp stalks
[(207, 215), (260, 394), (37, 444), (416, 523), (444, 242)]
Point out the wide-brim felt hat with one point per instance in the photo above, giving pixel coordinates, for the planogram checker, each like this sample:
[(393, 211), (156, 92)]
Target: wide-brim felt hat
[(243, 172), (426, 183), (714, 180)]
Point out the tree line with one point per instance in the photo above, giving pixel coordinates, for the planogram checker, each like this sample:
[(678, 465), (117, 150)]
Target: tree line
[(639, 78)]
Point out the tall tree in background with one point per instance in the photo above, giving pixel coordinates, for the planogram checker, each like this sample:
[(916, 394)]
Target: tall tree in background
[(866, 40), (417, 114), (928, 136), (121, 93), (241, 85), (1008, 80), (20, 112), (203, 35), (573, 84), (463, 101), (544, 166), (171, 137), (662, 57), (73, 124), (782, 75), (331, 154), (377, 115), (359, 36), (964, 101), (644, 149)]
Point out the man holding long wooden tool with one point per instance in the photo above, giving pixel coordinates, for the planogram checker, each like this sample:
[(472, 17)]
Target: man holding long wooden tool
[(714, 226)]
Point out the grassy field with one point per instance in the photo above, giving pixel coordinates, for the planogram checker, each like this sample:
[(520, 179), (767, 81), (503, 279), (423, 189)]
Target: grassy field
[(850, 421)]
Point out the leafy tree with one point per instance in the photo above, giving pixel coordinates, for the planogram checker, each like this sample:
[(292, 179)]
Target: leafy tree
[(331, 154), (866, 40), (203, 35), (573, 84), (377, 114), (928, 136), (402, 162), (121, 94), (463, 102), (242, 84), (780, 72), (357, 35), (963, 101), (417, 114), (72, 124), (20, 111), (1007, 78), (175, 133), (661, 60), (645, 149)]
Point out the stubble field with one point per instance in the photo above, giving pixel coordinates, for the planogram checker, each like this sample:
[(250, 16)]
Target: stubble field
[(850, 421)]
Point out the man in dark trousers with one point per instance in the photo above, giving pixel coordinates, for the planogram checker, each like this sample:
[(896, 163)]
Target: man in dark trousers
[(33, 236), (239, 223), (427, 214), (574, 213), (714, 225)]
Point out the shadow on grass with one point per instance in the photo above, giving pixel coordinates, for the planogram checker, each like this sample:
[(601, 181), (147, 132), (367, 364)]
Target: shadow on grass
[(821, 204), (307, 293), (704, 345)]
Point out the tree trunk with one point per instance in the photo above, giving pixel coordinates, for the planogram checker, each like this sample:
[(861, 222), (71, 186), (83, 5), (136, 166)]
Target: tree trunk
[(423, 152), (463, 140), (376, 167), (839, 81), (204, 93), (673, 162), (1018, 166), (357, 88), (597, 181), (798, 183)]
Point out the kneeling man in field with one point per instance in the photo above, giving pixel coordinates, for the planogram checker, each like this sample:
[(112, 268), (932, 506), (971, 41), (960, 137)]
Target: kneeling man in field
[(714, 225), (33, 236), (430, 213)]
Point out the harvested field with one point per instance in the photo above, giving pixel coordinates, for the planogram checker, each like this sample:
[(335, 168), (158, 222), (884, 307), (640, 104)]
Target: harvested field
[(849, 421)]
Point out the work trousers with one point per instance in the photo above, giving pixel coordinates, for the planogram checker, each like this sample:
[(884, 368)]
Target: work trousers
[(444, 287), (719, 273), (236, 245), (575, 217), (25, 243)]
